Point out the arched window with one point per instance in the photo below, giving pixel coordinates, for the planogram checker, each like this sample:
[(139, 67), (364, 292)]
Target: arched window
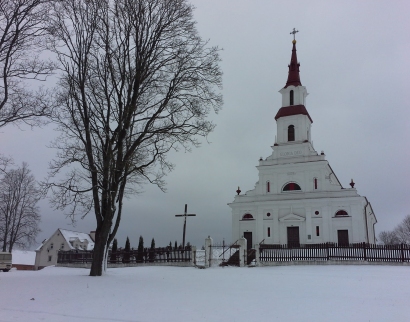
[(291, 97), (315, 183), (291, 186), (267, 186), (341, 213), (268, 231), (291, 133), (247, 217)]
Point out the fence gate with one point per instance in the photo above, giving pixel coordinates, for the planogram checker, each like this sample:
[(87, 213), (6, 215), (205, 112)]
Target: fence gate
[(223, 255)]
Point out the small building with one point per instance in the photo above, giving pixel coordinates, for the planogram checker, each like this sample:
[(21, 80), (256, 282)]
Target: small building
[(62, 239), (298, 198)]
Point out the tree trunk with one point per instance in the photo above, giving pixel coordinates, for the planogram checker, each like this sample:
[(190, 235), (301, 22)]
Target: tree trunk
[(100, 249)]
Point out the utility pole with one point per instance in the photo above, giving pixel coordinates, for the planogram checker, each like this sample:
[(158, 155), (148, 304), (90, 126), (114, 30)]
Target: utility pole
[(184, 215)]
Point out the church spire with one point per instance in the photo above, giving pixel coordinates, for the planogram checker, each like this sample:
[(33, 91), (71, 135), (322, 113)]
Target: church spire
[(293, 76)]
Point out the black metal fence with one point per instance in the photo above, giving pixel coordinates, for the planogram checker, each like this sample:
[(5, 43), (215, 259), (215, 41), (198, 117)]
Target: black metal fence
[(149, 255), (331, 251)]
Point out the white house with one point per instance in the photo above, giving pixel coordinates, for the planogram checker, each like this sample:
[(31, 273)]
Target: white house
[(298, 198), (62, 239)]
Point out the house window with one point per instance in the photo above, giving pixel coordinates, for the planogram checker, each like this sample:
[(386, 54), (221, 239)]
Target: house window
[(315, 183), (62, 246), (51, 246), (267, 186), (291, 97), (291, 186), (247, 217), (341, 213), (317, 231), (268, 231), (49, 258), (291, 133)]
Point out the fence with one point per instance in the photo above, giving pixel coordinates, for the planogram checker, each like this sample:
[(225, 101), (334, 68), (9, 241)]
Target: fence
[(330, 251), (149, 255), (219, 254)]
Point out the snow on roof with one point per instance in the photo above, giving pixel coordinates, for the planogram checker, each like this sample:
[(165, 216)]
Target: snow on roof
[(23, 257), (41, 245), (71, 236)]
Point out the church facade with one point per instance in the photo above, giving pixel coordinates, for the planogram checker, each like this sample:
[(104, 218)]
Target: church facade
[(298, 198)]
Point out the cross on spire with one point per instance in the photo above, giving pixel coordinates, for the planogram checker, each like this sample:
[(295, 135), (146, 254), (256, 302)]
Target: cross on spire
[(294, 33)]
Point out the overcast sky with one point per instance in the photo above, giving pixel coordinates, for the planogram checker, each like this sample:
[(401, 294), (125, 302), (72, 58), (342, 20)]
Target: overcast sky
[(354, 62)]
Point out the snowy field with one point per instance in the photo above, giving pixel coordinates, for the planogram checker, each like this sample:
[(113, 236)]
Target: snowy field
[(286, 293)]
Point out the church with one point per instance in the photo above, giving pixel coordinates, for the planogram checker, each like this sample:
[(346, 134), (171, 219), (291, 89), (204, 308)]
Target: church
[(298, 198)]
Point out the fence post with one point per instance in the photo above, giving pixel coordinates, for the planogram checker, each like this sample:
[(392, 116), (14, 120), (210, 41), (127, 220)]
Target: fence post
[(402, 252), (242, 246), (193, 255), (364, 251), (327, 251), (257, 254), (208, 251)]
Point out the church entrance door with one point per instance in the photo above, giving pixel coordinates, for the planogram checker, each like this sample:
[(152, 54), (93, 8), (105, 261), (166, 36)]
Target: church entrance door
[(293, 237), (343, 237), (248, 236)]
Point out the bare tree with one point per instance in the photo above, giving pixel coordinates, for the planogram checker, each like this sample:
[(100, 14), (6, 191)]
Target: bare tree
[(22, 39), (402, 231), (19, 214), (389, 238), (136, 82)]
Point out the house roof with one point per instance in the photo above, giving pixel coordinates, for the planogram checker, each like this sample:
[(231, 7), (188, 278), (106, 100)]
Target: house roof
[(71, 236)]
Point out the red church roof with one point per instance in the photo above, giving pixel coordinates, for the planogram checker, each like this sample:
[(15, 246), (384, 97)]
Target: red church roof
[(293, 110)]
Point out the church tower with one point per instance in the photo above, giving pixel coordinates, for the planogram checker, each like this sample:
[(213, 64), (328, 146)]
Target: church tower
[(298, 198)]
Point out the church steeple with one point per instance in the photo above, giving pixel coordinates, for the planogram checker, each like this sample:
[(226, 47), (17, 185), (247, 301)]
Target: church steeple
[(293, 76), (293, 120)]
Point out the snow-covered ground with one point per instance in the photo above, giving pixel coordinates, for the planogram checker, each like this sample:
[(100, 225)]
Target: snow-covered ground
[(285, 293)]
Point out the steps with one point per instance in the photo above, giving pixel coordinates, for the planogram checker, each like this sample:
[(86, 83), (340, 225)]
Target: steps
[(234, 259)]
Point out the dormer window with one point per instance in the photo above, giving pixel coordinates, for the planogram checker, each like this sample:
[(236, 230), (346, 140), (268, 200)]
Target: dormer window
[(291, 133), (291, 186), (291, 97), (247, 217)]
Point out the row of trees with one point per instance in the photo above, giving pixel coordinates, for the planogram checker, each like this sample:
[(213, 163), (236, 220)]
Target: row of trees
[(134, 81), (399, 235)]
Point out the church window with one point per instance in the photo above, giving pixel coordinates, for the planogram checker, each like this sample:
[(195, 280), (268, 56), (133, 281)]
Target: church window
[(267, 186), (316, 212), (268, 214), (315, 183), (268, 231), (291, 133), (341, 213), (291, 97), (317, 231), (291, 186), (247, 217)]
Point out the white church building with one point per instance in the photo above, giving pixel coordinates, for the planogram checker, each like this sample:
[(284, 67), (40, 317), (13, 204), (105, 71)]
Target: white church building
[(298, 198)]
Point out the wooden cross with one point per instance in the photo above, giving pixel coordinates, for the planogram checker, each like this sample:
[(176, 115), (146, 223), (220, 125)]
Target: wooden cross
[(294, 33), (184, 215)]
